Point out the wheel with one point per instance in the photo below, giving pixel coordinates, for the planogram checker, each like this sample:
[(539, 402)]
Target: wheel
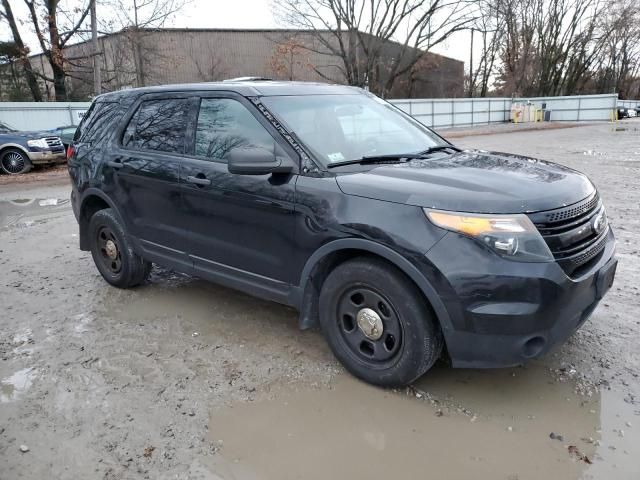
[(112, 254), (378, 323), (14, 162)]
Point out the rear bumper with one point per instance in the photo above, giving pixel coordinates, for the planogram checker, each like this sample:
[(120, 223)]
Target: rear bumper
[(504, 313), (44, 157)]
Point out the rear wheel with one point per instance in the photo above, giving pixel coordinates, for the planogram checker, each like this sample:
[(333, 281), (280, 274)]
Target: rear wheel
[(378, 323), (112, 253), (14, 162)]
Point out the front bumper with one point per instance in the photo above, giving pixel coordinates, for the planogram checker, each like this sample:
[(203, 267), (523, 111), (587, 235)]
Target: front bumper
[(503, 313), (46, 156)]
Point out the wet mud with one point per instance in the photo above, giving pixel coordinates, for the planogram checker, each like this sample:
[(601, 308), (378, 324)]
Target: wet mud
[(184, 379)]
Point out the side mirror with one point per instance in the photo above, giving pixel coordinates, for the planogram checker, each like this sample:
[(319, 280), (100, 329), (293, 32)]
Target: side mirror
[(257, 161)]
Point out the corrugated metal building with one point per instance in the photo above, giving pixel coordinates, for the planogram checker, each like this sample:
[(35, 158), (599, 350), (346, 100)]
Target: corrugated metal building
[(162, 56)]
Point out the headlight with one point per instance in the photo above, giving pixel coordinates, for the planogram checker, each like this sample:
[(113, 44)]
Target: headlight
[(510, 236), (40, 143)]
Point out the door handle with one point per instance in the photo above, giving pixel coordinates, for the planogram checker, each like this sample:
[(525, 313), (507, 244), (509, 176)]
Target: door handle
[(200, 180), (117, 164)]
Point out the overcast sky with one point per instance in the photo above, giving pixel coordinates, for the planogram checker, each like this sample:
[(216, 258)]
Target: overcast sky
[(228, 14)]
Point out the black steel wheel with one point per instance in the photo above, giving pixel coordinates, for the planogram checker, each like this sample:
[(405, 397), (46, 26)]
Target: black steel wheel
[(14, 162), (110, 253), (115, 259), (369, 324), (378, 323)]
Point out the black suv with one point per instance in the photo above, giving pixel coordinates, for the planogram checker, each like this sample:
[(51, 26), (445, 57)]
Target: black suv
[(395, 242)]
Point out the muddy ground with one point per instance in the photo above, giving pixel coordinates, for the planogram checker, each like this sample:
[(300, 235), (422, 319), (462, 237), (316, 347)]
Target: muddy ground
[(183, 379)]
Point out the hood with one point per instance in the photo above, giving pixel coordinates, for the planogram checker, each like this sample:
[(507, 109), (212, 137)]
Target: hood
[(29, 135), (472, 181)]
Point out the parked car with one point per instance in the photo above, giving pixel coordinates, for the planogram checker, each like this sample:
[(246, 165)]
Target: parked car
[(328, 199), (637, 109), (66, 134), (623, 112), (19, 151)]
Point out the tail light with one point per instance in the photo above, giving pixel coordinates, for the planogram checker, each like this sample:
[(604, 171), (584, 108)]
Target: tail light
[(69, 151)]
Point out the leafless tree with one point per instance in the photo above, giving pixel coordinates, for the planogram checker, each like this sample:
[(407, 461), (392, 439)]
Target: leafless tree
[(361, 33), (137, 19), (55, 24), (289, 56), (6, 14)]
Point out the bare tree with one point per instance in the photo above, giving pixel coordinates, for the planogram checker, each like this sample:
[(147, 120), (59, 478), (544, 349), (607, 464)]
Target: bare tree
[(55, 26), (6, 13), (137, 18), (288, 57), (377, 41)]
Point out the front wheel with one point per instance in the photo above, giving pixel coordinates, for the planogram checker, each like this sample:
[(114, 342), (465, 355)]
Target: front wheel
[(14, 162), (378, 323)]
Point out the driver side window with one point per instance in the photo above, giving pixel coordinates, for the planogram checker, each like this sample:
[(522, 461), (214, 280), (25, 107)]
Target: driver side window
[(225, 124)]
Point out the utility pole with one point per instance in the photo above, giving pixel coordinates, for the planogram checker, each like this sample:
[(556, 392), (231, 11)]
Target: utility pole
[(470, 67), (97, 61)]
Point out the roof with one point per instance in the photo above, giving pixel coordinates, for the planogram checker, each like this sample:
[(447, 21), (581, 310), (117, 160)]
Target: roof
[(246, 88)]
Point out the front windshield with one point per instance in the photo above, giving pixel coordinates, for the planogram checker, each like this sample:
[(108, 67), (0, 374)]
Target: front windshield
[(338, 128), (4, 128)]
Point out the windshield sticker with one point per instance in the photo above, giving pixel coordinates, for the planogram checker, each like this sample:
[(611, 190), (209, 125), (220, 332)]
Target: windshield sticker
[(335, 157)]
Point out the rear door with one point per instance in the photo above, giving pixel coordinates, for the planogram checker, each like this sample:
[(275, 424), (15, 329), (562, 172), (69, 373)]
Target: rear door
[(145, 165), (239, 226)]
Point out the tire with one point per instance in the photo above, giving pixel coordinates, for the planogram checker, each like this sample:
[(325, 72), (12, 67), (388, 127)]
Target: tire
[(112, 252), (15, 162), (409, 337)]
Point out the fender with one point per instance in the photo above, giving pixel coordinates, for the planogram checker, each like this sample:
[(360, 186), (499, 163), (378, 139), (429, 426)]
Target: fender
[(95, 192), (382, 251), (15, 145)]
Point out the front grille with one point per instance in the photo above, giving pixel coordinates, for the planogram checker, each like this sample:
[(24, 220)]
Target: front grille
[(54, 143), (571, 233)]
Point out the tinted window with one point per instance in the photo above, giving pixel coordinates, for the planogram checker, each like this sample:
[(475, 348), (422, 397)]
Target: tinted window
[(98, 123), (158, 125), (224, 124)]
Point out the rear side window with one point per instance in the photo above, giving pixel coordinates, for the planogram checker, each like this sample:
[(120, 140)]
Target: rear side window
[(98, 123), (224, 124), (159, 125)]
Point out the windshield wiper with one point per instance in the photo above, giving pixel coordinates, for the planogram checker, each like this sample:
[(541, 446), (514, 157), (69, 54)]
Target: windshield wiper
[(391, 158), (394, 157), (439, 148)]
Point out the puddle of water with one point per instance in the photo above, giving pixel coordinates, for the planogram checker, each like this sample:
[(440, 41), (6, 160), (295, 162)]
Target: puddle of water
[(355, 430), (13, 212), (15, 385)]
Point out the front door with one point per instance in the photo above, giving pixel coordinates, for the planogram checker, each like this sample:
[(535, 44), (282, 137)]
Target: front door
[(241, 227)]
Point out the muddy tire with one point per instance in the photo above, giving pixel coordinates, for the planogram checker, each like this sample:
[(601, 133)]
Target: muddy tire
[(14, 162), (378, 323), (112, 253)]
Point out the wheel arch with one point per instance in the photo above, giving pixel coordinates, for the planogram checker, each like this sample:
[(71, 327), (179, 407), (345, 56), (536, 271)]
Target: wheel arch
[(333, 253), (13, 146), (93, 200)]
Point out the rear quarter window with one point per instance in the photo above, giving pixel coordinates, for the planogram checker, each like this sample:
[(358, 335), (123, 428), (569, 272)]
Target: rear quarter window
[(98, 123)]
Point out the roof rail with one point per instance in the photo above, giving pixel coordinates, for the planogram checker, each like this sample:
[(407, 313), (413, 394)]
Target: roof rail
[(248, 79)]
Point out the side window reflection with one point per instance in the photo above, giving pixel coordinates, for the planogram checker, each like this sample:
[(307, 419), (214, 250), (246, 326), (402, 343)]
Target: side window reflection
[(225, 124), (159, 125)]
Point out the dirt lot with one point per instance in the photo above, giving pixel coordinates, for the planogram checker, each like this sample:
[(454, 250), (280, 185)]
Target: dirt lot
[(183, 379)]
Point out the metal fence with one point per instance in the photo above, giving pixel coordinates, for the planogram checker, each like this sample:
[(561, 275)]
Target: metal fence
[(467, 112), (456, 112), (438, 113), (42, 115), (576, 108), (629, 103)]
